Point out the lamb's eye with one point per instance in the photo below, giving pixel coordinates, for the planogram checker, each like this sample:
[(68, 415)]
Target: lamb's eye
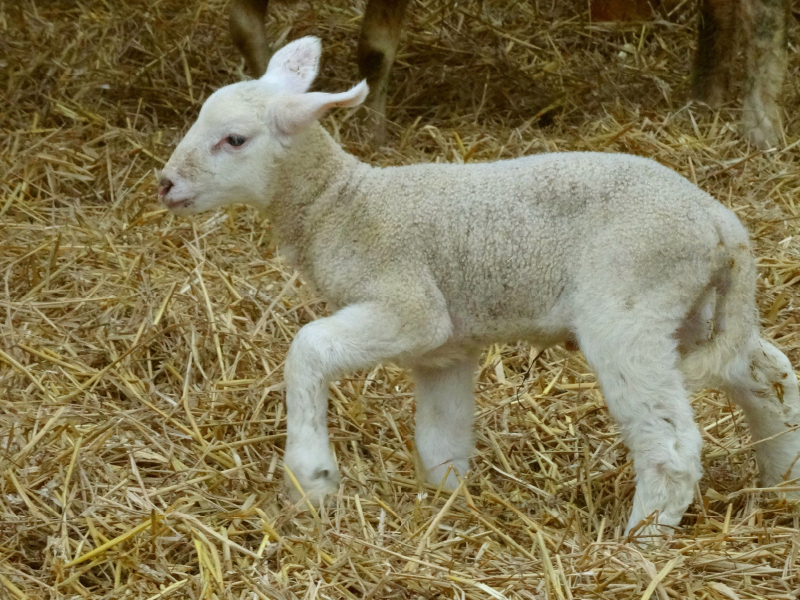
[(236, 140)]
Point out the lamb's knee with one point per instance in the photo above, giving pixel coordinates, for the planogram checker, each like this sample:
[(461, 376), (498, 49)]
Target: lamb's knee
[(763, 383), (669, 446), (440, 448), (776, 360), (771, 395), (312, 354), (443, 450)]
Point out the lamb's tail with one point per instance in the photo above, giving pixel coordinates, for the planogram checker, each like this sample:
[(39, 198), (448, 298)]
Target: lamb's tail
[(723, 326)]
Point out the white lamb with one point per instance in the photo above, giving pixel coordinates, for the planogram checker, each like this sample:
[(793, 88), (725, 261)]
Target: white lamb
[(652, 276)]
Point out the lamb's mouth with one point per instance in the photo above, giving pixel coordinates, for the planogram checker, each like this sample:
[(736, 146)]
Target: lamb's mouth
[(177, 204)]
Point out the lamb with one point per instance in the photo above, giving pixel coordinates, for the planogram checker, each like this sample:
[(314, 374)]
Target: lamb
[(652, 277)]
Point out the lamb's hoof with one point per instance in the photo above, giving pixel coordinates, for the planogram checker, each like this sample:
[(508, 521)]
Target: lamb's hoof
[(322, 482), (791, 495), (436, 475), (651, 535)]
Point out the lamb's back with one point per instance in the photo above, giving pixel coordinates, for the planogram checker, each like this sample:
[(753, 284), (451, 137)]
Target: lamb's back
[(532, 219), (504, 241)]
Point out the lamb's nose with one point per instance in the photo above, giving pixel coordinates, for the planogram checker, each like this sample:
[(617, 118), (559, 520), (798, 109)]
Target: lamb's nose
[(164, 186)]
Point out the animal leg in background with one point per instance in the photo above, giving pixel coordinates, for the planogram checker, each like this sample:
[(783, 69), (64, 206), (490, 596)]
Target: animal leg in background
[(377, 46), (765, 24), (716, 51), (248, 33)]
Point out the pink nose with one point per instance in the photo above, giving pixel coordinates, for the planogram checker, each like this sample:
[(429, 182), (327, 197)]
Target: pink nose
[(164, 186)]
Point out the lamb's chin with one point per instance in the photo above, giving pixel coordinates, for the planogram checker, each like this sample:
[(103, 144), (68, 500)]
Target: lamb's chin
[(190, 206)]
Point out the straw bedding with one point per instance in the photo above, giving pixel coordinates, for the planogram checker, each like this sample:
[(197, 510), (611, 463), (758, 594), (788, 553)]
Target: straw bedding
[(141, 418)]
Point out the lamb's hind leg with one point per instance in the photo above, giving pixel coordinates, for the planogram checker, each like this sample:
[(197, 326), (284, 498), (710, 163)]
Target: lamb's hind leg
[(445, 412), (636, 363), (762, 382)]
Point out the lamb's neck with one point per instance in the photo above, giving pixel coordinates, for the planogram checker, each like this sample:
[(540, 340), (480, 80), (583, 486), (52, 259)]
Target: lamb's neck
[(316, 169)]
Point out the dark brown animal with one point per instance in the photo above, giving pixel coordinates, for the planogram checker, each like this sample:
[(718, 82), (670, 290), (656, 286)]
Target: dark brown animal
[(377, 45), (759, 25)]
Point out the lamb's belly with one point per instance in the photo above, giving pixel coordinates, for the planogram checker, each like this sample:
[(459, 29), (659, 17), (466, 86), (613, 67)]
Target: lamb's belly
[(517, 295), (461, 346), (541, 331)]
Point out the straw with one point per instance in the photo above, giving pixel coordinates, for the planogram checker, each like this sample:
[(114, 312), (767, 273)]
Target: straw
[(141, 355)]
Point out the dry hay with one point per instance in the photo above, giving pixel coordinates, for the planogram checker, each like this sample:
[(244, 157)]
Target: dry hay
[(141, 418)]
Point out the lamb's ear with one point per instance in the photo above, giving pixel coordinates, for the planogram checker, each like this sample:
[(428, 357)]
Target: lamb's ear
[(294, 67), (294, 113)]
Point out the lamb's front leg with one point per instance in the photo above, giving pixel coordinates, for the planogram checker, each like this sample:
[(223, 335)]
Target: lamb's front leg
[(356, 337)]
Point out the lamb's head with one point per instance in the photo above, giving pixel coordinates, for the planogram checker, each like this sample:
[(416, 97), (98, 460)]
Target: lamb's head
[(230, 153)]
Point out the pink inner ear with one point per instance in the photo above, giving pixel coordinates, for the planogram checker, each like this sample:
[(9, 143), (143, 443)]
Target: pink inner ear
[(295, 66)]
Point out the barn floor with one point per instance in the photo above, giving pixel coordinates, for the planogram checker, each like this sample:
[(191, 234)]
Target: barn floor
[(141, 417)]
